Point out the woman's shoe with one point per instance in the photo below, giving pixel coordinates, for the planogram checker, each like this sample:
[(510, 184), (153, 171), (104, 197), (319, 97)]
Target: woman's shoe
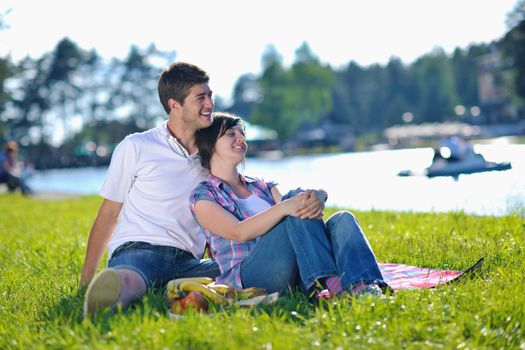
[(367, 289)]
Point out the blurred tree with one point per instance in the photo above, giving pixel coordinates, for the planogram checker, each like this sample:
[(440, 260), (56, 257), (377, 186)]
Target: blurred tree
[(514, 46), (245, 94), (291, 98), (465, 66), (349, 106), (400, 94), (272, 85), (517, 15), (29, 102), (5, 72), (64, 84), (313, 83), (435, 79), (135, 95)]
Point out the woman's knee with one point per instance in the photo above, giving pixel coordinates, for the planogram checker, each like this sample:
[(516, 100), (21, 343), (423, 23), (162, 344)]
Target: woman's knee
[(341, 218)]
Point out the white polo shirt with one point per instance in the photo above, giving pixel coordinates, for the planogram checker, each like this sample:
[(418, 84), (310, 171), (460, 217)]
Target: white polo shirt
[(153, 175)]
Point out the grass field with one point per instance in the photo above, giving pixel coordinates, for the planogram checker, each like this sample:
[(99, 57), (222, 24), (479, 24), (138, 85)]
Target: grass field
[(42, 245)]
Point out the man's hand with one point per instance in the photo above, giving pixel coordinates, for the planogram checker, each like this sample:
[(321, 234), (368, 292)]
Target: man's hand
[(313, 205)]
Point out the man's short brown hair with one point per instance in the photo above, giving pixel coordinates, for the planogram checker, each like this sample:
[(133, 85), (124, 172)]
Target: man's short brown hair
[(176, 80)]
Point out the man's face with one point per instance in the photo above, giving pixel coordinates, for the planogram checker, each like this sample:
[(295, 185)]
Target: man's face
[(198, 106)]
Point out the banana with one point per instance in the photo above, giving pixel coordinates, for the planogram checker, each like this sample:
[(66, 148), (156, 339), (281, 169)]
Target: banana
[(207, 292), (173, 285), (222, 289), (248, 293)]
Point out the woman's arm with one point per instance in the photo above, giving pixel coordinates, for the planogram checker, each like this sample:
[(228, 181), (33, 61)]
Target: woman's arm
[(218, 220), (313, 204)]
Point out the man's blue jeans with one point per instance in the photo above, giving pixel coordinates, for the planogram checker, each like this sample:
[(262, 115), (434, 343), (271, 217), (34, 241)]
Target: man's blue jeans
[(299, 252)]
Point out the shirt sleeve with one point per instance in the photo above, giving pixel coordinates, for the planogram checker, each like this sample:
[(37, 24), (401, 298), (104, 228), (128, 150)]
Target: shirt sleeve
[(121, 172), (201, 192)]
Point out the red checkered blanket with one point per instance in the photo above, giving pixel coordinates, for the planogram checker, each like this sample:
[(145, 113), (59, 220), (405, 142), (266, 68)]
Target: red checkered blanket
[(399, 276)]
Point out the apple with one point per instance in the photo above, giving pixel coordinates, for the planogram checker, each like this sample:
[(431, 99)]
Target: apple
[(193, 300)]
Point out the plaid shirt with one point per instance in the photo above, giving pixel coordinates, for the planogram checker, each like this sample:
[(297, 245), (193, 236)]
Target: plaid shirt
[(229, 254)]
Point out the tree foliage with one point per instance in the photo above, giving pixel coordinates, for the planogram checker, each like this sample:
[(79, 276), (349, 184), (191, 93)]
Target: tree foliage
[(69, 97), (289, 98), (514, 47)]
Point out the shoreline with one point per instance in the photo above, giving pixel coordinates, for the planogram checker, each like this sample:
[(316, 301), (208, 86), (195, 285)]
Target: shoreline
[(45, 195)]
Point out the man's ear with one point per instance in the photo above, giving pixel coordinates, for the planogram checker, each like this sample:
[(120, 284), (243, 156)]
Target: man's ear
[(174, 105)]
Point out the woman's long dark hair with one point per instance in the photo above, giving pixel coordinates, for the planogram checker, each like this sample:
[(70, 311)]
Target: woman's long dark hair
[(207, 138)]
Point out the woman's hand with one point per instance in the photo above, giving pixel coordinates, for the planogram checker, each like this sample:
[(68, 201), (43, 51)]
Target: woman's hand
[(313, 205), (292, 205)]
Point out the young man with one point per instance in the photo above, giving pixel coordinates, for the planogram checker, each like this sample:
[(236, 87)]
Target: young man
[(145, 220)]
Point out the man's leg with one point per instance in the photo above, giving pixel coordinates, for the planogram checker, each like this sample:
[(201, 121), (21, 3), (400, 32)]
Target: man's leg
[(112, 288), (136, 266), (133, 287)]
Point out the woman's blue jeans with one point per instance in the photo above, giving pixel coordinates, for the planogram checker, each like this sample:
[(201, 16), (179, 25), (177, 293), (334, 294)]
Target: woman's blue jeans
[(297, 253)]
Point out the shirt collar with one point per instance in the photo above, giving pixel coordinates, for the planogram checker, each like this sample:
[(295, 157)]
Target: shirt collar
[(215, 181), (176, 146)]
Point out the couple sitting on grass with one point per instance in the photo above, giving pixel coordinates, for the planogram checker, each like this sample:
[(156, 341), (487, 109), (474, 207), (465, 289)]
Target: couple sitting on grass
[(172, 188)]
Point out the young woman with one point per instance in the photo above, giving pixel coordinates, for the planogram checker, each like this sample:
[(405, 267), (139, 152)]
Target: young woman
[(258, 237)]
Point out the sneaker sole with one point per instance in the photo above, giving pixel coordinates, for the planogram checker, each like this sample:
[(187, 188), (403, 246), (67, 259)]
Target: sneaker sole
[(103, 292)]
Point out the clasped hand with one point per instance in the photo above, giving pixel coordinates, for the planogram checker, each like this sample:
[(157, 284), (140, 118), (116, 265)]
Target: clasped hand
[(307, 205)]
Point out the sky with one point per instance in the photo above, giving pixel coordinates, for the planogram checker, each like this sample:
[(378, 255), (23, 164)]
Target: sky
[(227, 38)]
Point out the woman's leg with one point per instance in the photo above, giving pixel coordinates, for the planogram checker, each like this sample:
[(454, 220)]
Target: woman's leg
[(313, 250), (272, 264), (292, 244), (354, 257)]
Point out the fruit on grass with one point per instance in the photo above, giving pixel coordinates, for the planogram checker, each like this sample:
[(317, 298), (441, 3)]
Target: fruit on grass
[(251, 292), (207, 292), (193, 301), (173, 285), (223, 289)]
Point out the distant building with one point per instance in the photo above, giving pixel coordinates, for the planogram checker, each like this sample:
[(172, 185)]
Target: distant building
[(493, 89), (413, 135)]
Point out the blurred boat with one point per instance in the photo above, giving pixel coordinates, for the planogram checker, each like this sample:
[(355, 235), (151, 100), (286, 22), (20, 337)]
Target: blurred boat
[(449, 161)]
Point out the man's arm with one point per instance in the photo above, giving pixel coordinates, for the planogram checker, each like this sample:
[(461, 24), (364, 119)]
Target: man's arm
[(99, 237)]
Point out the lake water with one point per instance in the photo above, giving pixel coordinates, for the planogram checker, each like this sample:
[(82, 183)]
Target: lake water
[(364, 180)]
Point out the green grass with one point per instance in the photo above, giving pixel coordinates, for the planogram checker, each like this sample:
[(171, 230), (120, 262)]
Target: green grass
[(42, 245)]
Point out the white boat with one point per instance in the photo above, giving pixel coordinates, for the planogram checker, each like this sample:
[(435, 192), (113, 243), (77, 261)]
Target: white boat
[(447, 163)]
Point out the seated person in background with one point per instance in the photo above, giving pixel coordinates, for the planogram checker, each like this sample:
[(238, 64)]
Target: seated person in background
[(259, 238), (453, 148), (11, 169)]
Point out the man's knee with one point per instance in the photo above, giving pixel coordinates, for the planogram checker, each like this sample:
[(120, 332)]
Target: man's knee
[(131, 280)]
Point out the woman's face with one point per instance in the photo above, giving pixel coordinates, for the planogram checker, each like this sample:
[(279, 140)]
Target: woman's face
[(231, 146)]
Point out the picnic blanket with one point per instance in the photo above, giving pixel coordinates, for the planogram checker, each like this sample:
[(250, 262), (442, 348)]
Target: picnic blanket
[(400, 276)]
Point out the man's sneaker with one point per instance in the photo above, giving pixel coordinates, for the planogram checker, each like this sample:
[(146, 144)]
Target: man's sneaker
[(367, 289), (103, 292)]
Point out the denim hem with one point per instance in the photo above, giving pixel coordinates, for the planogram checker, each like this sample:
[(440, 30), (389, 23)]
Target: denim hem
[(313, 278)]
